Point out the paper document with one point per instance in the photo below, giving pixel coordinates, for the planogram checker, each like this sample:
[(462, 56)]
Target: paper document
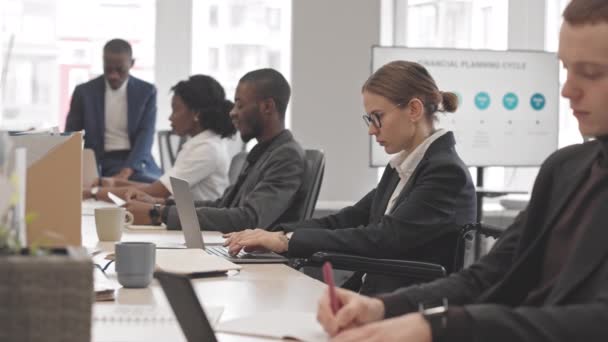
[(191, 262), (117, 200), (301, 326), (147, 227), (104, 287)]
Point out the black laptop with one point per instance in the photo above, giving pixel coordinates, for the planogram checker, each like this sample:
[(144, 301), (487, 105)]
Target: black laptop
[(186, 307)]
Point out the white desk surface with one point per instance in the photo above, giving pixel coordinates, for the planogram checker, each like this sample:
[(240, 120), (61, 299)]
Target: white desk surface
[(256, 288)]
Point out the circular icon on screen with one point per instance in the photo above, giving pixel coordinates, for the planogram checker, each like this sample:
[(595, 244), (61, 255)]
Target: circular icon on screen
[(482, 100), (537, 101), (510, 101)]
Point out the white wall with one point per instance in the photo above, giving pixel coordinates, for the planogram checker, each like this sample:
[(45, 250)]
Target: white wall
[(331, 43), (527, 24), (173, 56)]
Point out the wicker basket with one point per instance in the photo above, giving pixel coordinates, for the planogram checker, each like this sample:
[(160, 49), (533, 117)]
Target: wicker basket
[(45, 298)]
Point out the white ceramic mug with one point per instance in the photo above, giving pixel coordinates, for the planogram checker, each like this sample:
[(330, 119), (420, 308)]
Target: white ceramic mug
[(110, 221)]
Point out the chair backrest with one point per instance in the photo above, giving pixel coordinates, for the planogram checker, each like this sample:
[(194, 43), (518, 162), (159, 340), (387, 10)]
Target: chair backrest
[(236, 165), (307, 195), (169, 145), (311, 185)]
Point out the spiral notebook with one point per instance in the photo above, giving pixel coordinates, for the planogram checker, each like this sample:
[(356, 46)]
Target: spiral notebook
[(112, 322)]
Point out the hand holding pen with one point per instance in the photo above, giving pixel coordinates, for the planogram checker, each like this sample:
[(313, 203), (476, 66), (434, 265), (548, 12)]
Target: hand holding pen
[(347, 309)]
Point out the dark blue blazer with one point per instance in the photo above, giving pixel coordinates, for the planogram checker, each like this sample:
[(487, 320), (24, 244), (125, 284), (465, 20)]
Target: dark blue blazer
[(87, 111)]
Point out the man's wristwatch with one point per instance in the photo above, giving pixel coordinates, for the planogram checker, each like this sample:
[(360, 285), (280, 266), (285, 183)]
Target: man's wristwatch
[(94, 192), (437, 319), (154, 214)]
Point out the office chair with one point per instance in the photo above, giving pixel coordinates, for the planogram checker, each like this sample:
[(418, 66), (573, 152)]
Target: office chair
[(308, 193), (169, 144), (236, 165), (304, 201), (418, 272)]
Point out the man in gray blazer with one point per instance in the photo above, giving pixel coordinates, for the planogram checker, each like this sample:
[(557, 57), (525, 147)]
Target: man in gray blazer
[(264, 192)]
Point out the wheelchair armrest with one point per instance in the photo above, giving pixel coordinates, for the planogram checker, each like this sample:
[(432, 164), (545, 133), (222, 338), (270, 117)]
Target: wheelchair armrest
[(415, 270), (491, 231), (483, 229)]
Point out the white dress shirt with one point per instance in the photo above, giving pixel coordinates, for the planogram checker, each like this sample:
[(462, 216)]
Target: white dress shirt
[(116, 135), (405, 163), (203, 162)]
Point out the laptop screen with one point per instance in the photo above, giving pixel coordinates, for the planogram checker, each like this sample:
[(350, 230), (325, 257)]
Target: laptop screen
[(184, 202)]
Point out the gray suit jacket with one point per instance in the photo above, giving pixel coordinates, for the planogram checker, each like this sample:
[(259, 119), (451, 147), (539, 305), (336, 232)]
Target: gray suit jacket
[(266, 196)]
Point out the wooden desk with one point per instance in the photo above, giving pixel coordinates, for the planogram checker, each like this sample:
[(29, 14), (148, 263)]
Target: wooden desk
[(256, 288)]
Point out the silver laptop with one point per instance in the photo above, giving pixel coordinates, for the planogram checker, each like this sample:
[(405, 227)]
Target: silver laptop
[(184, 202)]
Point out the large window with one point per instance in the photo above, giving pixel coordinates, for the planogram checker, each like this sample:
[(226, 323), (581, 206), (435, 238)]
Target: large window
[(476, 24), (50, 46), (232, 37)]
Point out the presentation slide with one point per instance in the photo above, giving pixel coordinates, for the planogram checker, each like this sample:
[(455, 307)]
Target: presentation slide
[(508, 102)]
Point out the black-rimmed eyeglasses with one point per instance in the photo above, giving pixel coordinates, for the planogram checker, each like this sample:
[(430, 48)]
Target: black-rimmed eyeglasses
[(375, 118)]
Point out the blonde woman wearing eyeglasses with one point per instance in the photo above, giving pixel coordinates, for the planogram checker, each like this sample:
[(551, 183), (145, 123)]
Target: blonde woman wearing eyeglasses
[(425, 195)]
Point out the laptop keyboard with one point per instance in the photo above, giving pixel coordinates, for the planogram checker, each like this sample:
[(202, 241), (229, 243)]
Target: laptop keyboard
[(222, 251)]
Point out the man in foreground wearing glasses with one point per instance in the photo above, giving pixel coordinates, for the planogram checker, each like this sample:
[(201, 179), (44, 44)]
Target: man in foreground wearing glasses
[(424, 197), (546, 279)]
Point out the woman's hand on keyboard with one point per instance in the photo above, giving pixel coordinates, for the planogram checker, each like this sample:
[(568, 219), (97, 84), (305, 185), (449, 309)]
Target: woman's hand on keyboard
[(256, 239)]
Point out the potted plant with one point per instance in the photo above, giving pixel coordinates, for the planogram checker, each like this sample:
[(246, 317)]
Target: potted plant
[(45, 294)]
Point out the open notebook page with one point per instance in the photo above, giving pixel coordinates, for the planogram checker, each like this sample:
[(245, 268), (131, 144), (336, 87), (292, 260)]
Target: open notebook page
[(301, 326)]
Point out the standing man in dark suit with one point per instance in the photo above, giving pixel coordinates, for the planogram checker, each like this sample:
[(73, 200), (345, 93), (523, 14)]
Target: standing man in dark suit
[(266, 188), (118, 114), (546, 280)]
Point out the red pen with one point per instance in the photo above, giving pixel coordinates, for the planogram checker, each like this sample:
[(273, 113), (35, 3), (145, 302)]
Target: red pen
[(328, 276)]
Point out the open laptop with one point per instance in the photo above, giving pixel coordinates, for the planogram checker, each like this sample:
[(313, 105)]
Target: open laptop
[(186, 307), (275, 325), (184, 202)]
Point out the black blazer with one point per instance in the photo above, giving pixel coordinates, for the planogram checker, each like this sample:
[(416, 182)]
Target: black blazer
[(493, 289), (438, 199)]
